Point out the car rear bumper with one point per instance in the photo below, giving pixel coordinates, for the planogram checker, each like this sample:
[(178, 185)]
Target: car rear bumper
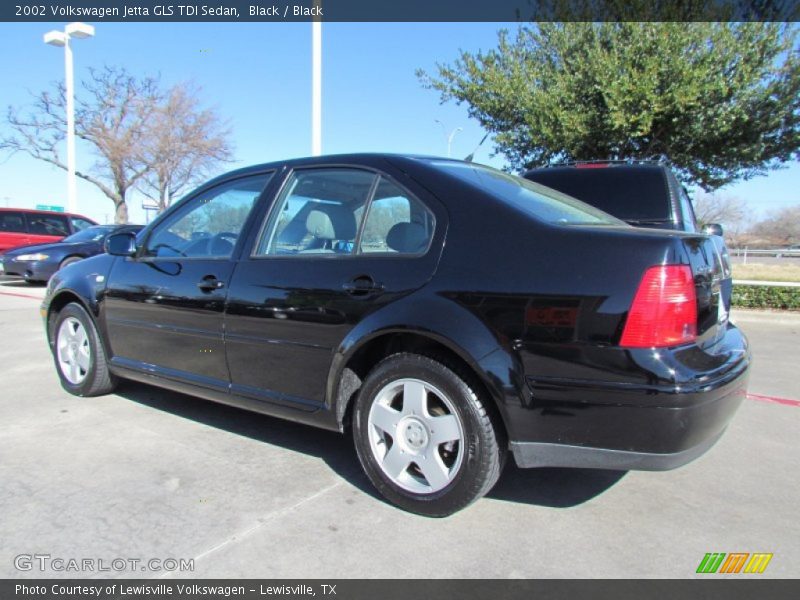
[(653, 426), (534, 454)]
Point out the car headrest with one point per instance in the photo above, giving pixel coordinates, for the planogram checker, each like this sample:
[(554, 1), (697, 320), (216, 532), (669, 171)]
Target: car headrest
[(408, 238), (331, 222)]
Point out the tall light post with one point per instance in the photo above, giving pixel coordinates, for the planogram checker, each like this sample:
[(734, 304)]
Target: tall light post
[(316, 83), (450, 136), (62, 39)]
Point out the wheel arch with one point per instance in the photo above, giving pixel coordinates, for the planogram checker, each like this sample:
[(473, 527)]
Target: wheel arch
[(57, 304), (68, 256), (362, 350)]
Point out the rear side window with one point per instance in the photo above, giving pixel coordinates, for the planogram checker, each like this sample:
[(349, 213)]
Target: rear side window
[(12, 222), (629, 194), (48, 225), (689, 221), (396, 222), (543, 203)]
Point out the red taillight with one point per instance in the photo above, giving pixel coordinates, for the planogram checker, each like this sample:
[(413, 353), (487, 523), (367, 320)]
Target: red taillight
[(664, 310)]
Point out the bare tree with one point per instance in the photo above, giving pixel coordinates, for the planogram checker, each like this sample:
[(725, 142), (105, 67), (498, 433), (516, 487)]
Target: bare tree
[(182, 145), (111, 114), (729, 211), (782, 226)]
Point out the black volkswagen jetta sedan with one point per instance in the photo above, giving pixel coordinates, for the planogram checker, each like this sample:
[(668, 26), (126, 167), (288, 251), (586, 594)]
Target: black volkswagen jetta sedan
[(442, 312)]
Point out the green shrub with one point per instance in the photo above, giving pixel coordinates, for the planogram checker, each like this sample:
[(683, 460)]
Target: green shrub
[(766, 296)]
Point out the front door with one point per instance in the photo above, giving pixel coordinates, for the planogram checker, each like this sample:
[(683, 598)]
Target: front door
[(339, 243), (164, 307)]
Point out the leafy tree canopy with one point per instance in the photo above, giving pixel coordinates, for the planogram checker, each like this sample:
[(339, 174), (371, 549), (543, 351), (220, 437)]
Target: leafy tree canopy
[(720, 100)]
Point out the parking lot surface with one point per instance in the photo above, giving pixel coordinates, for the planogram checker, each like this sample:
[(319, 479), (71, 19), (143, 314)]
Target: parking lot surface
[(151, 474)]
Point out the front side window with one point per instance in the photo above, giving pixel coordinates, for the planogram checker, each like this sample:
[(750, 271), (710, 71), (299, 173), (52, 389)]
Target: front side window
[(396, 222), (209, 225), (319, 212)]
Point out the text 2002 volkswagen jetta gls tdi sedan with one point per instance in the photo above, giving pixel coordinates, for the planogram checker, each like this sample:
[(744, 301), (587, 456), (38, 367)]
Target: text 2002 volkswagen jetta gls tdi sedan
[(444, 312)]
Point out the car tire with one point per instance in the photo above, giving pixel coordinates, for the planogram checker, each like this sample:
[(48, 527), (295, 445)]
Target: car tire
[(424, 436), (79, 355), (69, 260)]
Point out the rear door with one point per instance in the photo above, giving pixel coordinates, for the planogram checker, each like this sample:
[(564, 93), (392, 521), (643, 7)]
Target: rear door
[(339, 243)]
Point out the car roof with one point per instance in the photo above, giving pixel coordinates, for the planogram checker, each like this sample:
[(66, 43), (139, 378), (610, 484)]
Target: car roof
[(326, 159), (45, 212)]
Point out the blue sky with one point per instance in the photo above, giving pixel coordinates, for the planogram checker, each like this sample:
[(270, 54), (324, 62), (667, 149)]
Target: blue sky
[(258, 76)]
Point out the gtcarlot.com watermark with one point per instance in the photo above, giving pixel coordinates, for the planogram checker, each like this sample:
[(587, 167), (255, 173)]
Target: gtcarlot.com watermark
[(60, 564)]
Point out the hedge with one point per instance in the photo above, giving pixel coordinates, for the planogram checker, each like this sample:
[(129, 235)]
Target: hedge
[(766, 296)]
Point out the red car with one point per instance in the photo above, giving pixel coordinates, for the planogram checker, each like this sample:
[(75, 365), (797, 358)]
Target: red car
[(22, 227)]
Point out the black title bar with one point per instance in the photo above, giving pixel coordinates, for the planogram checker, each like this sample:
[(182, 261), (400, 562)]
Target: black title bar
[(377, 589), (399, 10)]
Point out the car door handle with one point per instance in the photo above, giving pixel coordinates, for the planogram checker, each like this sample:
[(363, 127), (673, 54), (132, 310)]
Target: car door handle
[(362, 286), (209, 283)]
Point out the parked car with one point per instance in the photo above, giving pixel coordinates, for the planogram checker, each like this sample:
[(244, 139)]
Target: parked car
[(22, 227), (440, 312), (644, 194), (37, 263)]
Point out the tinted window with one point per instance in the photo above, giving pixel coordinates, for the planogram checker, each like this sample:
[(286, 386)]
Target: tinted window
[(209, 224), (539, 201), (94, 233), (689, 221), (79, 224), (318, 212), (396, 222), (629, 194), (12, 222), (47, 225)]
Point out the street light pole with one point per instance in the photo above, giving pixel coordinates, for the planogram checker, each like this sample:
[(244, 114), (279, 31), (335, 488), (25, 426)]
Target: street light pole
[(62, 38), (72, 184), (450, 136), (316, 83)]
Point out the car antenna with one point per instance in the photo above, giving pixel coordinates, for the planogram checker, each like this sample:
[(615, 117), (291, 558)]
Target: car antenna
[(471, 156)]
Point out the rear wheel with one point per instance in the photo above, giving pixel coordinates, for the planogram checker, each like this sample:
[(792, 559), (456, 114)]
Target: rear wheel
[(424, 437), (79, 355)]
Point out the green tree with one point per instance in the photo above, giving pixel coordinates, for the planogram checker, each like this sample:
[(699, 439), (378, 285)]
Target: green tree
[(720, 100)]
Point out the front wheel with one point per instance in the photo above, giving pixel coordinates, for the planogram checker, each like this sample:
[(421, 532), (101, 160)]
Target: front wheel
[(424, 436), (79, 355)]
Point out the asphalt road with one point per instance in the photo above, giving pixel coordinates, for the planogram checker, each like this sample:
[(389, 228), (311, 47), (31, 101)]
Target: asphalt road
[(151, 474)]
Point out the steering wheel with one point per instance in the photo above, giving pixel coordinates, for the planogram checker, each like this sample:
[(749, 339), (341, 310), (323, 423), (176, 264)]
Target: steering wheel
[(177, 251), (227, 237)]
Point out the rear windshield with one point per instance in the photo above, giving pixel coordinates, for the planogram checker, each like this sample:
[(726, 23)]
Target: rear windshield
[(629, 194), (541, 202)]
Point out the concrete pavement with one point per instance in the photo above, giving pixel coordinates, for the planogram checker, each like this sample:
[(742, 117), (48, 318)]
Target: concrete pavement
[(147, 473)]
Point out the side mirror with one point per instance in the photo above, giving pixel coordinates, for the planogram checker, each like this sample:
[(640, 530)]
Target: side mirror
[(712, 229), (121, 244)]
